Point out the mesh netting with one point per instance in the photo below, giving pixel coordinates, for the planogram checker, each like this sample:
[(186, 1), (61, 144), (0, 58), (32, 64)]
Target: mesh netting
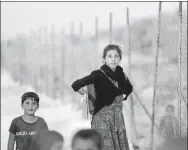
[(170, 105)]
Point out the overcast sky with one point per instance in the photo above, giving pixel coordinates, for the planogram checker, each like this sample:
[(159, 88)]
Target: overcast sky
[(23, 16)]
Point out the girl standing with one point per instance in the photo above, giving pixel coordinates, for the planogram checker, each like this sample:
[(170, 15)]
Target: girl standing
[(112, 87)]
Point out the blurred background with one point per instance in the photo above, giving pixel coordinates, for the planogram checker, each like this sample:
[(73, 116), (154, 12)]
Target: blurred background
[(46, 46)]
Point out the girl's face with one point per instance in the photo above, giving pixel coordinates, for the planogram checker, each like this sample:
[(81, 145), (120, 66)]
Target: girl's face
[(112, 59), (82, 144), (30, 106)]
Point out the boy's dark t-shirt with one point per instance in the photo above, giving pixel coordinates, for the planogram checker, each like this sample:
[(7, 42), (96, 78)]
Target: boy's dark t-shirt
[(24, 131), (169, 126)]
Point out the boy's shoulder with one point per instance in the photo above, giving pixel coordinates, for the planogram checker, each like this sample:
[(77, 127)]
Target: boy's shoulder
[(19, 118), (16, 119), (41, 119)]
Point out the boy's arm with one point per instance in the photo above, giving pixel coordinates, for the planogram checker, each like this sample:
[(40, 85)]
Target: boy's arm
[(11, 141), (176, 126), (161, 127), (12, 133), (45, 126)]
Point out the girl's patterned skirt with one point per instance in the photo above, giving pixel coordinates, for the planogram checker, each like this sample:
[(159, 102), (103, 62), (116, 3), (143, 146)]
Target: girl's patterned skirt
[(109, 122)]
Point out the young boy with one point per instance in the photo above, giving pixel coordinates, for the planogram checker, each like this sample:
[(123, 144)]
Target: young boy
[(169, 123), (87, 139), (24, 127), (47, 140)]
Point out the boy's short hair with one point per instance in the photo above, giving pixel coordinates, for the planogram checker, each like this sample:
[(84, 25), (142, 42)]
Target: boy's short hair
[(91, 134), (27, 95), (45, 140)]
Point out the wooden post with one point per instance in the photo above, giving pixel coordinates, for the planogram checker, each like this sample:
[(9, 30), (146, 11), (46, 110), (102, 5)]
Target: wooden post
[(24, 58), (53, 60), (71, 50), (32, 43), (96, 40), (96, 29), (81, 29), (155, 76), (62, 66), (72, 36), (46, 72), (37, 43), (180, 64), (31, 49), (72, 31), (40, 39), (39, 36), (45, 35), (72, 47), (110, 23)]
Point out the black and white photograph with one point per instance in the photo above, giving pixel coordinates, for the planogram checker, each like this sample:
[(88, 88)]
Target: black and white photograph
[(94, 75)]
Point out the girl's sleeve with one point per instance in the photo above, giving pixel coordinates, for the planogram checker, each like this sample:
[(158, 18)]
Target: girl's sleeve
[(129, 87), (83, 82)]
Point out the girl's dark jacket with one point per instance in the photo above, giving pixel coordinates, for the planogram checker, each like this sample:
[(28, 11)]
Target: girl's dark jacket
[(105, 90)]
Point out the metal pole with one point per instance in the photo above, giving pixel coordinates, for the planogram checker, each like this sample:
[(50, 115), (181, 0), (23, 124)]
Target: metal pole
[(155, 77), (180, 71), (129, 62)]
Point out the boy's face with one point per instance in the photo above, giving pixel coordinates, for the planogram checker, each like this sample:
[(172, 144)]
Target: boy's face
[(30, 106), (82, 144), (170, 111)]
